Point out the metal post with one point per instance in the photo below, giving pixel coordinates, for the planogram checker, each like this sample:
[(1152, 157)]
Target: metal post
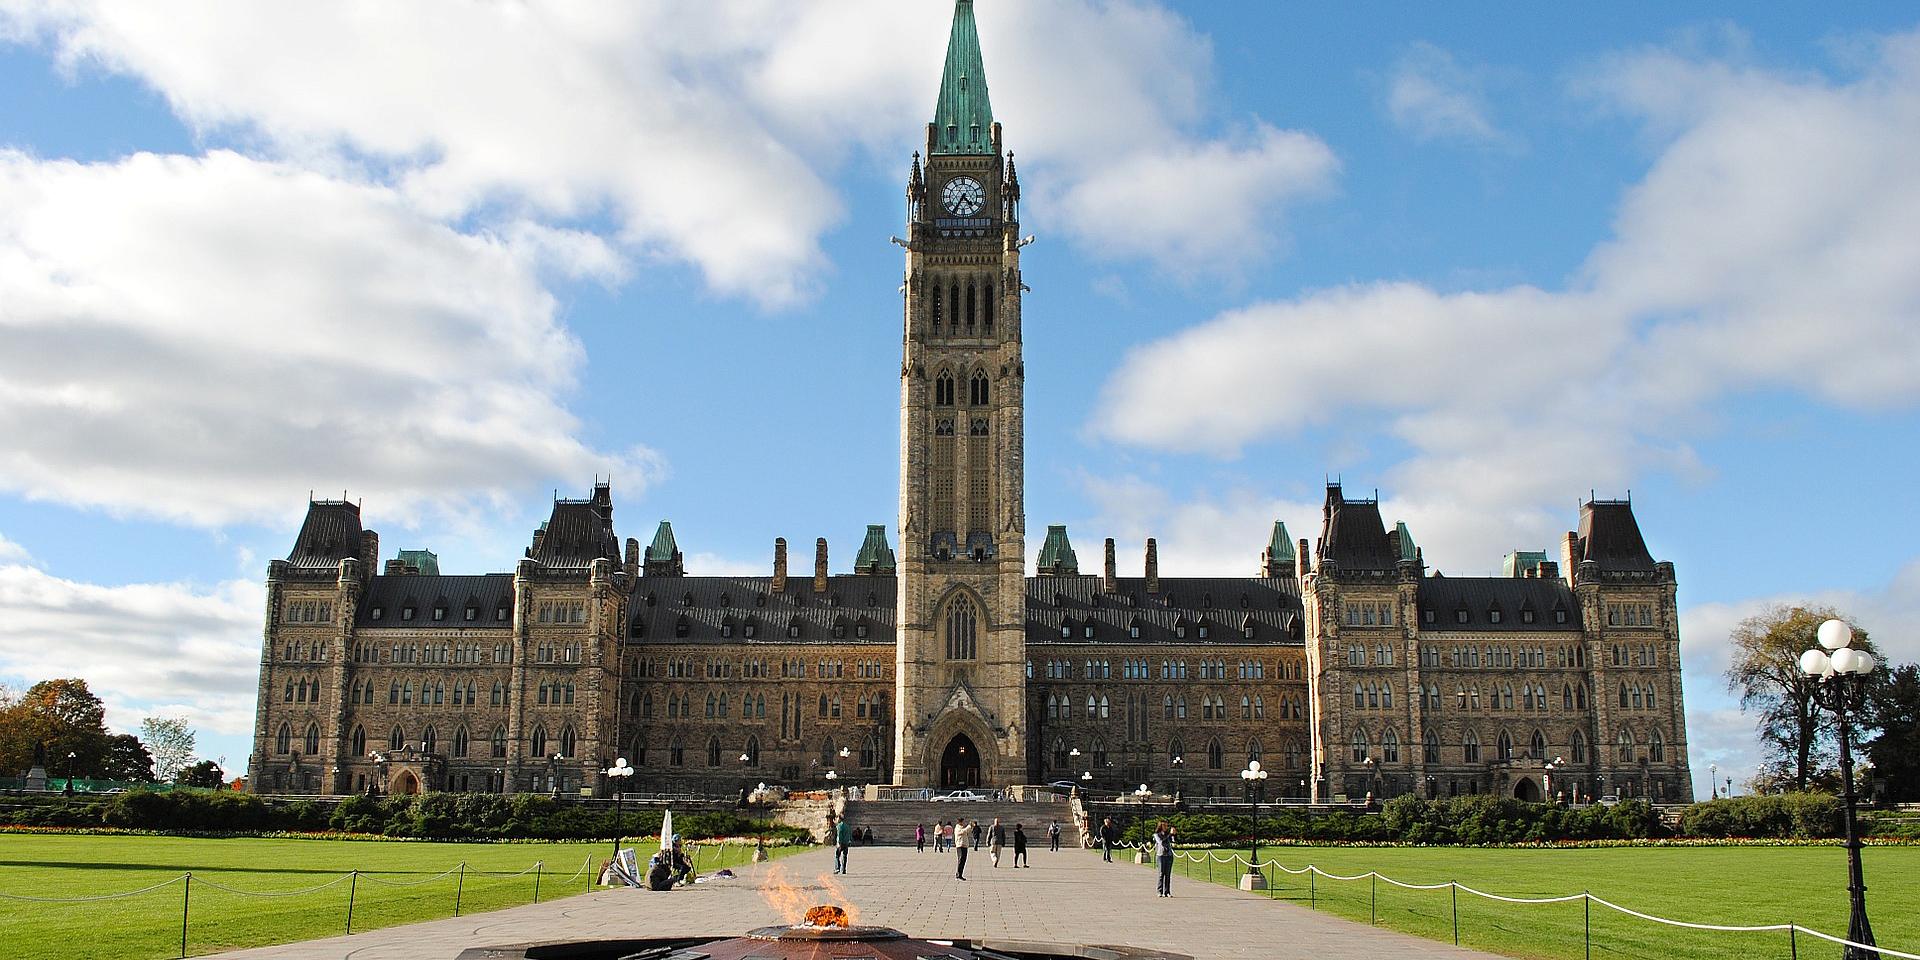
[(1313, 890), (1373, 899), (586, 870), (459, 887), (1209, 867), (353, 884), (186, 897), (1455, 887), (1858, 929), (536, 880), (1586, 901), (1793, 941)]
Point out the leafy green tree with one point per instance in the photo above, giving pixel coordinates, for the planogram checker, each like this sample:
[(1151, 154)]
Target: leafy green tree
[(1796, 736), (127, 759), (170, 741), (206, 773), (55, 718), (1893, 709)]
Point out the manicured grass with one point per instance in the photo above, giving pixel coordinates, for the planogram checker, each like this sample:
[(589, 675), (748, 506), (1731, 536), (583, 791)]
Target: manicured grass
[(398, 883), (1741, 886)]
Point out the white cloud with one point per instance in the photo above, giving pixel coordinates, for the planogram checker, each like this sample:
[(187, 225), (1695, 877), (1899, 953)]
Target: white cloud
[(1768, 247), (203, 339), (144, 649), (11, 552), (1208, 536), (706, 133), (1432, 97)]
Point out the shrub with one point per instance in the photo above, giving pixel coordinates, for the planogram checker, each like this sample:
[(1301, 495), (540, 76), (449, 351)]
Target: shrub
[(1789, 816)]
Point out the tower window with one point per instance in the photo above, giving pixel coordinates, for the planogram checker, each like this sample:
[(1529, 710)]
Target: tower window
[(978, 393), (986, 311), (943, 390), (936, 308), (962, 620)]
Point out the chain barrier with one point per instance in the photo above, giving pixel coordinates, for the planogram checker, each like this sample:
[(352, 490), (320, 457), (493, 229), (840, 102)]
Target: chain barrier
[(107, 896), (1312, 871)]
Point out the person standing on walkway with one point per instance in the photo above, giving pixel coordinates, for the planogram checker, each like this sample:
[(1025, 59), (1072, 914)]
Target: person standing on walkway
[(1109, 835), (962, 835), (1163, 856), (842, 838), (919, 838), (1020, 847), (1053, 836), (977, 834), (996, 838)]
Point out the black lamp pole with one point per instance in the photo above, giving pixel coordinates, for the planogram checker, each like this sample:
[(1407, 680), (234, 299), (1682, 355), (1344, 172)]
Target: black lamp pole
[(1840, 695)]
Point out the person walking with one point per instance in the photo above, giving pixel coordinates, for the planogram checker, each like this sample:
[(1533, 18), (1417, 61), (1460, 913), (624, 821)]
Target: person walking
[(1020, 847), (1109, 835), (919, 838), (962, 835), (996, 838), (1163, 856), (842, 839), (1053, 836), (977, 833)]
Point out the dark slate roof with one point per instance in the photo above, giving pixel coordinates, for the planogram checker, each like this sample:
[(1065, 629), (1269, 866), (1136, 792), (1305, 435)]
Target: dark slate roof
[(580, 532), (1353, 535), (1611, 537), (1225, 603), (1445, 596), (330, 534), (659, 603), (392, 594)]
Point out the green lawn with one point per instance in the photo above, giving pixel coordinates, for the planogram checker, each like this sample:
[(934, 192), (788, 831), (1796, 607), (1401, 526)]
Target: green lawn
[(398, 883), (1742, 886)]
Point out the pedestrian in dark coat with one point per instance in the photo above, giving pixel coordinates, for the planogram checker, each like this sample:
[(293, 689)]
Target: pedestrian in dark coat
[(1053, 837), (1109, 837), (1020, 847), (1163, 857)]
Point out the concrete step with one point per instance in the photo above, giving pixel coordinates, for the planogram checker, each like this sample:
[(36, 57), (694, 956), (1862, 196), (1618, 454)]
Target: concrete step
[(892, 821)]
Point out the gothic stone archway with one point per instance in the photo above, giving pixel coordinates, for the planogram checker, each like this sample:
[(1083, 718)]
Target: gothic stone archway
[(1525, 789), (959, 764), (405, 784)]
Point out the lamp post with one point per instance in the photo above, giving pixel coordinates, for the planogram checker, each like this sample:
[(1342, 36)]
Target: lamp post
[(619, 771), (1713, 781), (1256, 781), (1141, 795), (1839, 674), (1547, 777), (70, 758), (1373, 779), (553, 778)]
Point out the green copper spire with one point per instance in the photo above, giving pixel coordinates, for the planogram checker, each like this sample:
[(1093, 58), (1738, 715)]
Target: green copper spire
[(876, 557), (1281, 546), (1408, 550), (663, 547), (963, 118), (1056, 555), (421, 560)]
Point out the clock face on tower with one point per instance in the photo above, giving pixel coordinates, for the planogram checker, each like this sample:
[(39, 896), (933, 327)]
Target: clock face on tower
[(963, 196)]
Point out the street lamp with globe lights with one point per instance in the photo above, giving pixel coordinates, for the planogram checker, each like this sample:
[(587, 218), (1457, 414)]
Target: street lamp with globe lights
[(1141, 794), (618, 772), (1256, 780), (1839, 676), (1547, 776)]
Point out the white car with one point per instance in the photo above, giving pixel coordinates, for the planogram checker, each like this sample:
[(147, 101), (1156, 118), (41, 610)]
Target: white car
[(963, 795), (1609, 801)]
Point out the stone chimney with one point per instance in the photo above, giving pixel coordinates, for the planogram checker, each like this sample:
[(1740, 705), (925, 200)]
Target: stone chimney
[(1153, 566), (369, 550), (633, 557), (820, 565), (780, 565), (1109, 578), (1570, 556), (1303, 558)]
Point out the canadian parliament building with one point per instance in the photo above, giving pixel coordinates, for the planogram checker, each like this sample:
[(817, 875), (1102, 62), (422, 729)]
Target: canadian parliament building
[(1343, 664)]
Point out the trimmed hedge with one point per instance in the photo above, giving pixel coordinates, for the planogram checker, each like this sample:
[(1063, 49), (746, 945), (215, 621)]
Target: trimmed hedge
[(1469, 820), (1787, 816), (439, 816)]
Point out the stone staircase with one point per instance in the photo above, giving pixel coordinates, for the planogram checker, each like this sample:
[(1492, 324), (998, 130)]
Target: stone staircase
[(892, 821)]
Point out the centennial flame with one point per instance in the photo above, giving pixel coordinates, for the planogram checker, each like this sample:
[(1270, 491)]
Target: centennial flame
[(827, 915)]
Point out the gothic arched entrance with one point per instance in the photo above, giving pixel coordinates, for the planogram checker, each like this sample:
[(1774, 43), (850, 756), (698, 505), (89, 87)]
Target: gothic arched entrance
[(1527, 790), (959, 764), (406, 784)]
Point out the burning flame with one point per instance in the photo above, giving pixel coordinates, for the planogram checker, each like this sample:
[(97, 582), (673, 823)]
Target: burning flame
[(827, 916), (792, 901)]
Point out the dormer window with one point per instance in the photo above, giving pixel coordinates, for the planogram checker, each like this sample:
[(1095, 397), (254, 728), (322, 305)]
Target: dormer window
[(1427, 615), (1526, 616), (406, 613), (1203, 630), (1460, 615), (747, 630), (439, 613), (1066, 631), (1087, 631), (860, 631), (1559, 616), (500, 615), (376, 613), (473, 613), (1493, 615)]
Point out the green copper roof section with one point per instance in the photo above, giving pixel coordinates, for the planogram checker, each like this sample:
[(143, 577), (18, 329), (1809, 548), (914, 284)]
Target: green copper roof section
[(663, 547), (1056, 555), (1408, 550), (424, 560), (1522, 562), (963, 117), (1281, 546), (875, 555)]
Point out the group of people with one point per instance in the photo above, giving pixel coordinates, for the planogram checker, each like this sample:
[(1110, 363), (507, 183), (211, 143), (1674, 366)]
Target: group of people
[(1160, 846), (669, 867), (963, 835)]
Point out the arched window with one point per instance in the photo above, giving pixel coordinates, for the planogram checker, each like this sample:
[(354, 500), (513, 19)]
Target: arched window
[(1579, 747), (1215, 757), (870, 752), (1253, 748), (1386, 695), (1656, 746), (1504, 747), (359, 741), (961, 622), (1430, 747), (396, 739), (1390, 747), (1623, 746), (566, 742), (986, 304), (1623, 696), (1175, 751), (937, 305), (752, 752), (943, 389), (1580, 696), (713, 751), (460, 742), (499, 742), (429, 740), (283, 742), (313, 739), (1537, 747), (1359, 697), (828, 753), (977, 390), (1361, 748), (1649, 698), (539, 742), (1470, 747), (1566, 696)]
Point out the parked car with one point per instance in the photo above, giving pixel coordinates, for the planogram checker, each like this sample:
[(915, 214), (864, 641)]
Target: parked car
[(1609, 801), (962, 795), (1067, 785)]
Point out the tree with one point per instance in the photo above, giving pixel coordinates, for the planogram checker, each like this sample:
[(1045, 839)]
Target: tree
[(1765, 672), (127, 759), (1893, 709), (170, 741), (206, 773), (61, 716)]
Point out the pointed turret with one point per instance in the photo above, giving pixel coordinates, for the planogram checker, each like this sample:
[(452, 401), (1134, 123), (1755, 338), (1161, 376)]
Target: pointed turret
[(663, 555), (1056, 555), (963, 117), (1278, 560), (876, 557)]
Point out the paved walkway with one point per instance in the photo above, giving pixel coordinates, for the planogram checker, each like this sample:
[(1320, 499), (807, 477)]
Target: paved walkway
[(1066, 897)]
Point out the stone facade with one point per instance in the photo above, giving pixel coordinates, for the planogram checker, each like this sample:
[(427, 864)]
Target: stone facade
[(1346, 667)]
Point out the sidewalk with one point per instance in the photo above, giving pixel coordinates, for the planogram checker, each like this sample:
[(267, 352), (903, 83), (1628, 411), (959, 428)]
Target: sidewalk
[(1067, 897)]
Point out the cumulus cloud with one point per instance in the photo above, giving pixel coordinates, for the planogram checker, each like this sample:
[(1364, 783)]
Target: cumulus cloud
[(11, 552), (1769, 245), (1432, 97), (144, 649), (706, 133), (201, 339)]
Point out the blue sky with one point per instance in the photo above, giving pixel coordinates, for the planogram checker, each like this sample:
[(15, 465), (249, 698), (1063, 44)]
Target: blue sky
[(451, 261)]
